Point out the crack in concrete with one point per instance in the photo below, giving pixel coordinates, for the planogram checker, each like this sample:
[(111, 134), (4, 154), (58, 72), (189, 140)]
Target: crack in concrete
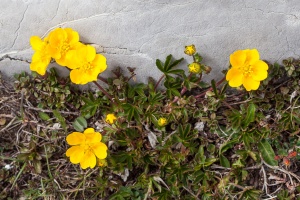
[(58, 6), (13, 59), (82, 19), (23, 16), (19, 26), (272, 12)]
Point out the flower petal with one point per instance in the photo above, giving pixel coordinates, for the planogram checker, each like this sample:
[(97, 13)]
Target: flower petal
[(100, 63), (90, 53), (100, 150), (71, 60), (73, 36), (250, 84), (235, 77), (88, 160), (89, 130), (252, 56), (77, 76), (260, 65), (260, 70), (92, 136), (57, 36), (238, 58), (75, 153), (75, 138), (36, 43)]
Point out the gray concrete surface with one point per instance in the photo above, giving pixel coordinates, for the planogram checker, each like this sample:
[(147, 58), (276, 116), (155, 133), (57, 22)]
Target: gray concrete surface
[(136, 32)]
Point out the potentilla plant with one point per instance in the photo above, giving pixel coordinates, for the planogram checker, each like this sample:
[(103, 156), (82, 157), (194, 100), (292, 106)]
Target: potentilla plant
[(167, 143)]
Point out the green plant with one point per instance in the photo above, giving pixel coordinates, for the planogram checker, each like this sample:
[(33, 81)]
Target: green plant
[(175, 138)]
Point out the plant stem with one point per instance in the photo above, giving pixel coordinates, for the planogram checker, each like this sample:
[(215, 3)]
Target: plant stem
[(104, 80), (210, 89), (160, 79), (104, 91), (184, 89)]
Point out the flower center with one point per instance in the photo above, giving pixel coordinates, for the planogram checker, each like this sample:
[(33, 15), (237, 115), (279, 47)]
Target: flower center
[(87, 66), (64, 48), (86, 147), (247, 70)]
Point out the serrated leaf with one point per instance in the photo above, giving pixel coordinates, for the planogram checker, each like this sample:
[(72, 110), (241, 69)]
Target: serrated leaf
[(132, 111), (176, 71), (80, 124), (159, 65), (167, 63), (175, 63), (267, 152)]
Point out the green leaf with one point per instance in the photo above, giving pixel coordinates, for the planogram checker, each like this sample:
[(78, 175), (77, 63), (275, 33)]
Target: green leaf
[(198, 58), (44, 116), (37, 166), (167, 63), (209, 161), (80, 124), (132, 111), (175, 63), (248, 139), (224, 161), (60, 119), (214, 87), (176, 71), (160, 65), (227, 145), (267, 152), (250, 117), (91, 106), (155, 98)]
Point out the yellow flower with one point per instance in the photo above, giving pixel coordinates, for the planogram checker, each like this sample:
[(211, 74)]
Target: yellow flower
[(41, 57), (162, 121), (86, 64), (194, 68), (247, 69), (85, 148), (110, 118), (190, 50), (61, 41)]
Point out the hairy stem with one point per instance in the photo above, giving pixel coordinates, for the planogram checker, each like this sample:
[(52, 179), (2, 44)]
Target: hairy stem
[(160, 79), (104, 80), (104, 91)]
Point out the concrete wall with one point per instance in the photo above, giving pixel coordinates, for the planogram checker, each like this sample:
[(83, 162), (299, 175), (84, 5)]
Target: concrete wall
[(136, 32)]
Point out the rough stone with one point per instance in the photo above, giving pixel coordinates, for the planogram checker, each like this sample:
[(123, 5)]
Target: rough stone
[(134, 33)]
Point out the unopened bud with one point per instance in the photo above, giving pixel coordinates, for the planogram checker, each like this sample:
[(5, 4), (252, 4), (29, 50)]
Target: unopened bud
[(190, 50), (194, 68), (207, 69)]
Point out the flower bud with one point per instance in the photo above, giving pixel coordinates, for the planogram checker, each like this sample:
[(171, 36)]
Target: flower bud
[(194, 68), (162, 121), (190, 50), (110, 118), (207, 69)]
